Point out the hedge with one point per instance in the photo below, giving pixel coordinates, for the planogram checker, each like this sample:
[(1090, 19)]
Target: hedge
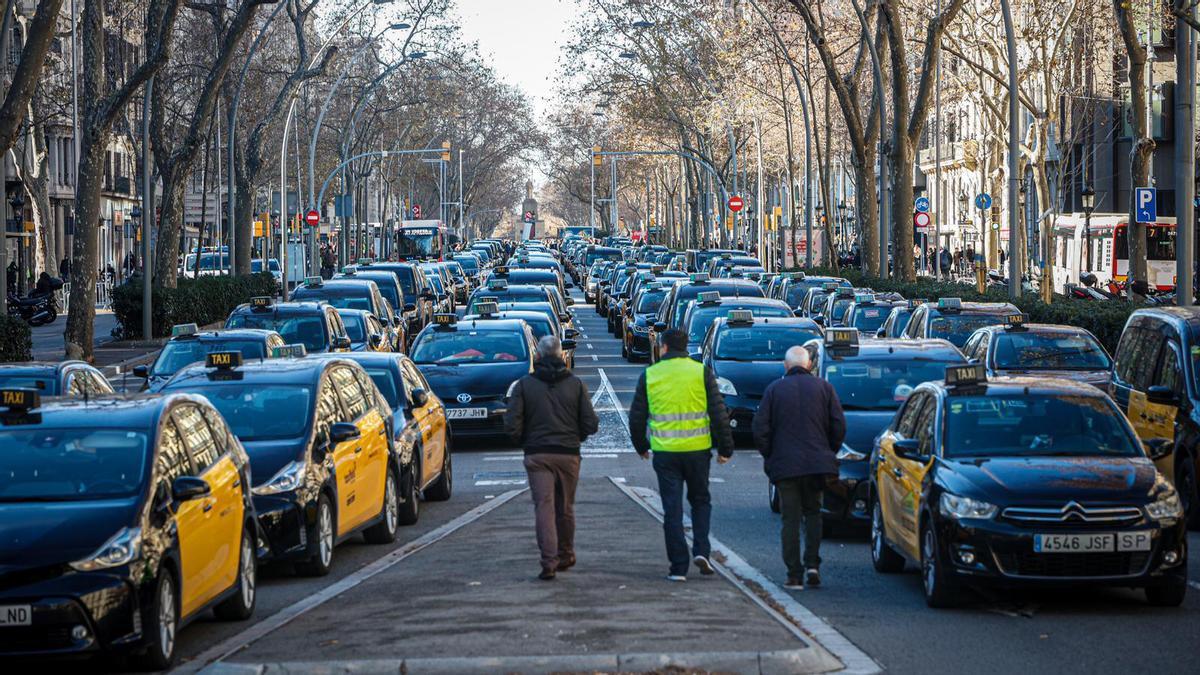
[(1104, 318), (16, 342), (201, 301)]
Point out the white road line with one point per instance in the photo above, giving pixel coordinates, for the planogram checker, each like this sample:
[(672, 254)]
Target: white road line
[(1194, 584), (500, 482), (784, 608), (589, 345), (594, 358), (607, 388), (504, 458), (229, 647)]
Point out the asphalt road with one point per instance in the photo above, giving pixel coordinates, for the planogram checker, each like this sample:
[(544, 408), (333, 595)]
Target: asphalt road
[(885, 616)]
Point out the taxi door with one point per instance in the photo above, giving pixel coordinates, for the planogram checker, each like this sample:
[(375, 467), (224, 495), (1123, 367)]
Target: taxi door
[(373, 463), (350, 465), (910, 479), (194, 522), (431, 422), (889, 479), (1157, 420)]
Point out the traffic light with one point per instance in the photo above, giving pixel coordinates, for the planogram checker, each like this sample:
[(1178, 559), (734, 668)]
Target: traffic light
[(597, 159), (445, 151)]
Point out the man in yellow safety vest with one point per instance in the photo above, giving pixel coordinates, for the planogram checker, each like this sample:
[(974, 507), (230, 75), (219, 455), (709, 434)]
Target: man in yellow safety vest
[(679, 413)]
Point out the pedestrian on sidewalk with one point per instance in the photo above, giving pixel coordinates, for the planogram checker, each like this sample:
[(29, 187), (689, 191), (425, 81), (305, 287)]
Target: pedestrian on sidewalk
[(550, 414), (678, 412), (799, 428)]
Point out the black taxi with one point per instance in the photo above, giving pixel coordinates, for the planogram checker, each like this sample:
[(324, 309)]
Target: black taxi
[(316, 325), (1044, 350), (709, 305), (472, 364), (683, 293), (189, 344), (1017, 481), (867, 313), (57, 378), (352, 292), (121, 520), (954, 320), (872, 379), (898, 318), (318, 435), (640, 315)]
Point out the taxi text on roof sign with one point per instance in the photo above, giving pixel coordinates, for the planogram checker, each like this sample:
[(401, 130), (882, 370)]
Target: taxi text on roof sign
[(864, 298), (914, 303), (20, 399), (223, 360), (841, 337), (708, 297), (699, 278), (830, 286), (313, 282), (1015, 320), (449, 319), (260, 301), (292, 351), (740, 316), (183, 329), (951, 304), (487, 308), (963, 375)]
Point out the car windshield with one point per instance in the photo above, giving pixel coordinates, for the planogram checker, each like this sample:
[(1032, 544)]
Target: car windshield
[(356, 327), (471, 265), (306, 330), (385, 381), (46, 385), (958, 327), (469, 346), (761, 343), (336, 300), (1036, 425), (868, 319), (882, 384), (840, 306), (179, 353), (1050, 351), (902, 318), (260, 412), (421, 242), (70, 464), (702, 317), (650, 302), (436, 282), (817, 300)]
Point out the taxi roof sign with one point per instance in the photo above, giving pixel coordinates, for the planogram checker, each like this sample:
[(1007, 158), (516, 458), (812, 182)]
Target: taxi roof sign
[(500, 270), (657, 269), (292, 351), (864, 298), (366, 262), (313, 282), (261, 301), (350, 270), (487, 308), (965, 375), (441, 319), (799, 276), (950, 304), (841, 337), (739, 316), (699, 278), (184, 330), (487, 298), (653, 286), (223, 360), (497, 284), (20, 398), (708, 297), (1015, 321), (914, 303), (830, 286)]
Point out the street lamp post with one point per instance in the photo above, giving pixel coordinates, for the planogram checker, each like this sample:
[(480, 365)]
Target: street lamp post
[(1088, 197)]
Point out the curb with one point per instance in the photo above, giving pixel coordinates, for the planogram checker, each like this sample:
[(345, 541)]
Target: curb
[(763, 663)]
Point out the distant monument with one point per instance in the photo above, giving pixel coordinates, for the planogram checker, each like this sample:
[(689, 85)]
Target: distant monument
[(529, 213)]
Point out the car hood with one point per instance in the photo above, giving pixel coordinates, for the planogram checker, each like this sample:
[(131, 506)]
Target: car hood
[(1052, 480), (37, 534), (268, 457), (1097, 378), (749, 377), (479, 380), (862, 426)]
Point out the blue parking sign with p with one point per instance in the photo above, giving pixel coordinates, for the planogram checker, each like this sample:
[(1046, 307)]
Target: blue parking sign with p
[(1145, 205)]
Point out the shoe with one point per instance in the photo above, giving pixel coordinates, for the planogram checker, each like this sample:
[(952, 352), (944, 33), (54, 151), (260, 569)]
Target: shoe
[(812, 577), (794, 584), (703, 565), (678, 578), (547, 574), (565, 564)]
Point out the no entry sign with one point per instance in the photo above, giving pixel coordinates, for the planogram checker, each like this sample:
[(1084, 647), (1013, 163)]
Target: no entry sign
[(313, 218), (736, 203)]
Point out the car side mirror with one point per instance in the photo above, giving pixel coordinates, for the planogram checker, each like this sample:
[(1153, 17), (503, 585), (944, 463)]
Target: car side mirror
[(142, 371), (564, 317), (1158, 448), (570, 301), (1162, 395), (420, 398), (660, 326), (570, 333), (410, 307), (881, 333), (819, 319), (799, 314), (428, 295), (568, 344), (910, 449), (341, 342), (340, 432), (972, 362), (187, 488), (376, 340), (397, 321)]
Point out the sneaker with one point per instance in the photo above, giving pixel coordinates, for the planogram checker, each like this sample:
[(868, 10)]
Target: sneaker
[(678, 578), (547, 574), (812, 577), (703, 565), (565, 564), (794, 584)]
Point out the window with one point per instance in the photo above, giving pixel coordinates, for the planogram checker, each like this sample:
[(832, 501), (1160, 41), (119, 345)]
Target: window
[(1170, 370), (222, 437), (197, 437), (372, 393), (76, 385), (328, 412), (172, 462), (924, 428), (907, 419), (1143, 351), (349, 392)]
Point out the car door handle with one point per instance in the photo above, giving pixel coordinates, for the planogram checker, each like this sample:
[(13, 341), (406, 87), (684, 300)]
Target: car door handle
[(358, 450), (237, 483), (897, 472), (208, 505)]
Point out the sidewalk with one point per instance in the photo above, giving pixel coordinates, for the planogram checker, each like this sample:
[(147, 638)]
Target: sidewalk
[(472, 603)]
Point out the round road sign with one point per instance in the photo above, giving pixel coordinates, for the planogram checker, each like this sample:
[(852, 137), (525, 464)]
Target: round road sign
[(983, 201), (921, 220), (313, 218), (736, 203)]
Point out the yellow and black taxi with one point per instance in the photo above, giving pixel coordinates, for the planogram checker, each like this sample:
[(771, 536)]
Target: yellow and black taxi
[(353, 293), (189, 344), (954, 320), (1017, 481), (1156, 381), (318, 435), (709, 306), (316, 325), (642, 310), (872, 379), (682, 294), (121, 520), (57, 378), (472, 364), (418, 428), (898, 318), (366, 332), (1042, 350), (868, 312), (745, 353)]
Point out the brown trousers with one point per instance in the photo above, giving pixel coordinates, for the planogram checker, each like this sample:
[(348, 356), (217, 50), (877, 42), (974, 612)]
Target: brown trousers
[(552, 481)]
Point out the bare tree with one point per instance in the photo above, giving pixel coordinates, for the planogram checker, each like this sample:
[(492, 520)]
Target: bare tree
[(39, 33)]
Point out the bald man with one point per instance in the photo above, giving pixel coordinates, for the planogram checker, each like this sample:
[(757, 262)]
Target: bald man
[(799, 428)]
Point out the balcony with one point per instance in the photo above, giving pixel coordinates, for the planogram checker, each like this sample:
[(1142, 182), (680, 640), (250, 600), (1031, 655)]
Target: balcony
[(958, 153)]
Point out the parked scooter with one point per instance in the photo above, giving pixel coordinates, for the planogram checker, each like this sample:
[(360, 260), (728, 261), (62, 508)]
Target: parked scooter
[(35, 310)]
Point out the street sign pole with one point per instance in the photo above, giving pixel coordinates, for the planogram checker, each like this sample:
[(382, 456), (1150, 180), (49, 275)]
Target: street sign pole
[(1185, 158)]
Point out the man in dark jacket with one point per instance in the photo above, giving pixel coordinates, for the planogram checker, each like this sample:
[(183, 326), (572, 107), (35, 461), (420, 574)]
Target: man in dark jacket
[(550, 414), (799, 428), (679, 413)]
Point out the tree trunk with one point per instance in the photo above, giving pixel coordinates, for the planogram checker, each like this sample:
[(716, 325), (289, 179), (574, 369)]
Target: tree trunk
[(1142, 151), (170, 226), (80, 333)]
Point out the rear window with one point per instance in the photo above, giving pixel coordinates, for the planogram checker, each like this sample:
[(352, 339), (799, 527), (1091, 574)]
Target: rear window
[(957, 328)]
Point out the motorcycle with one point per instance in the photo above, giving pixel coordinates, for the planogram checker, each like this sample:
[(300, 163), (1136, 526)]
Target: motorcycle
[(35, 309)]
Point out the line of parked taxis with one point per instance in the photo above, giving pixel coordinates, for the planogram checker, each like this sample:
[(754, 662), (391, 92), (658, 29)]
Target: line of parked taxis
[(980, 448), (271, 440)]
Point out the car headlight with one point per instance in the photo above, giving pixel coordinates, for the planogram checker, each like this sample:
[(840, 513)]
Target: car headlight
[(640, 330), (849, 454), (1166, 507), (123, 548), (953, 506), (726, 387), (290, 477)]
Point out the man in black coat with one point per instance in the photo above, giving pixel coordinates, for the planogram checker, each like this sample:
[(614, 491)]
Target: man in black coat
[(799, 428), (550, 414)]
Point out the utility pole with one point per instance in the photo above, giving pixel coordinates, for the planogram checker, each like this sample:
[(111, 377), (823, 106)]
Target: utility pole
[(937, 161), (1185, 158), (147, 214), (1014, 149)]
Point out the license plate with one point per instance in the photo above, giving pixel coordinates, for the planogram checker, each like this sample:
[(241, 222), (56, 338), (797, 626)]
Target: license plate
[(16, 615), (466, 413), (1133, 541), (1073, 543)]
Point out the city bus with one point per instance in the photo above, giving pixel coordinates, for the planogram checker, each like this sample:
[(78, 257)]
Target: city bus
[(1110, 250), (422, 240)]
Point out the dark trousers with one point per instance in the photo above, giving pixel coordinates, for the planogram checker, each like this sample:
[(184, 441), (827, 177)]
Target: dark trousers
[(800, 504), (552, 482), (675, 470)]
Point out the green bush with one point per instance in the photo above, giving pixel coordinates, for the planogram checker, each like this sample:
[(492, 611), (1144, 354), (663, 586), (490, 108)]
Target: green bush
[(200, 301), (16, 342), (1105, 319)]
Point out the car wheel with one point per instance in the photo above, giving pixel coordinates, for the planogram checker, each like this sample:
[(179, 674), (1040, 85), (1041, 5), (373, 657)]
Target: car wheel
[(322, 560), (161, 626), (939, 591), (384, 532), (1189, 491), (1169, 593), (410, 508), (240, 605), (883, 557), (441, 488), (773, 498)]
